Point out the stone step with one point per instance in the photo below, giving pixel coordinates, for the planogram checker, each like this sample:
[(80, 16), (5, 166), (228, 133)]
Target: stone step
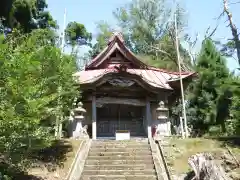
[(120, 157), (139, 167), (132, 139), (118, 162), (112, 149), (121, 143), (118, 177), (130, 153), (145, 140), (137, 146), (151, 172)]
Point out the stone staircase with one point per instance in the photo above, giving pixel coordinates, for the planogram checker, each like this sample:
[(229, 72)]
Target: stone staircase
[(119, 160)]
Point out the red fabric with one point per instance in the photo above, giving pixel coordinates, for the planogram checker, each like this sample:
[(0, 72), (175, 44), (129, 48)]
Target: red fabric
[(153, 131)]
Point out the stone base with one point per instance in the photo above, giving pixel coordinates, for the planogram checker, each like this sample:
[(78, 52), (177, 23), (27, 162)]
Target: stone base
[(163, 129), (79, 135)]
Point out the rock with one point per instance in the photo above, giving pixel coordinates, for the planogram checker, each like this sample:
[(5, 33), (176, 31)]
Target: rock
[(179, 177), (234, 175), (205, 168), (56, 175)]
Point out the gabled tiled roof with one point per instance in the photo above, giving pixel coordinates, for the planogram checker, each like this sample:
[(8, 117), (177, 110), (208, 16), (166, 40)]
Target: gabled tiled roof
[(154, 77), (157, 78), (116, 42)]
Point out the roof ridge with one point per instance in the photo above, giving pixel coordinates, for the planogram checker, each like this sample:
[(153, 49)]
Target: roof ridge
[(168, 71), (116, 34)]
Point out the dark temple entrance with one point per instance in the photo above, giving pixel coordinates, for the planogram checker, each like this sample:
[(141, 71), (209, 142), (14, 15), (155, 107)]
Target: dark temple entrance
[(112, 117)]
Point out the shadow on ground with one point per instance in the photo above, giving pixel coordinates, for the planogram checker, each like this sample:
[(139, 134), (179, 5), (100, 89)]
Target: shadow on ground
[(53, 156), (231, 141), (50, 158), (14, 173)]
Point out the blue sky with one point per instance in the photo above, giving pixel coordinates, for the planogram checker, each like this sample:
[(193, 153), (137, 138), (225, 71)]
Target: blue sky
[(200, 13)]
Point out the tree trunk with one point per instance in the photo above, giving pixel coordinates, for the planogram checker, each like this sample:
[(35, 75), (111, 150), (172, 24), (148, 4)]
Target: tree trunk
[(233, 29), (205, 168), (223, 127)]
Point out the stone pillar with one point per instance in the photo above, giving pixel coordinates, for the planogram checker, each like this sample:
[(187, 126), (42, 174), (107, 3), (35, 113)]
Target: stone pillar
[(94, 118), (148, 118)]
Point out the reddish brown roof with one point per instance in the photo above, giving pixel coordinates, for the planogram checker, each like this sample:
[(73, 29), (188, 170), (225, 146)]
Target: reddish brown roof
[(115, 43), (157, 78)]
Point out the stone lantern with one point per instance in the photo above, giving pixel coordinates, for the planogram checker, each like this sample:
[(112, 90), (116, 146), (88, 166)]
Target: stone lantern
[(162, 111), (78, 118), (163, 122)]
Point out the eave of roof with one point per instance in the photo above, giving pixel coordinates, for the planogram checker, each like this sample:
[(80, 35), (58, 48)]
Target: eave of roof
[(154, 77), (157, 78)]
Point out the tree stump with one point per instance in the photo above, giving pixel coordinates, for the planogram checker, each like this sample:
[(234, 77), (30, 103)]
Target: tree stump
[(205, 168)]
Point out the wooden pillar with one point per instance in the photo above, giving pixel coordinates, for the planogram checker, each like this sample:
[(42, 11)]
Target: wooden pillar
[(149, 118), (94, 118)]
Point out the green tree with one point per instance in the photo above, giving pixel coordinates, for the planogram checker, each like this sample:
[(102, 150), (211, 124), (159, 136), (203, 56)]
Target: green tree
[(208, 101), (233, 126), (103, 34), (32, 69), (26, 15), (149, 32), (77, 35)]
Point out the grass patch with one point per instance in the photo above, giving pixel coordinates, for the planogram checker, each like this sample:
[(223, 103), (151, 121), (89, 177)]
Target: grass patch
[(177, 152)]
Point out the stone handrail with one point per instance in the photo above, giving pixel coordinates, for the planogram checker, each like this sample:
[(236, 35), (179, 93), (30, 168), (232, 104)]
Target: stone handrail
[(166, 168), (159, 161), (78, 164), (74, 160), (156, 161)]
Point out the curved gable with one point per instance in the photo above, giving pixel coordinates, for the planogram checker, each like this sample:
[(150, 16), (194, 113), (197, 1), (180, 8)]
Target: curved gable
[(115, 53)]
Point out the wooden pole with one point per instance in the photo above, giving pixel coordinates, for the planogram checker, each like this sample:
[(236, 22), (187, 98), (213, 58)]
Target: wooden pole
[(180, 75), (182, 130), (63, 32), (58, 130)]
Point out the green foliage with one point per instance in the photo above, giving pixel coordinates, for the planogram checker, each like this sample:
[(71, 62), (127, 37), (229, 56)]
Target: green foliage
[(213, 93), (147, 32), (26, 15), (234, 121), (214, 131), (228, 49), (104, 33), (141, 24), (76, 34), (32, 69)]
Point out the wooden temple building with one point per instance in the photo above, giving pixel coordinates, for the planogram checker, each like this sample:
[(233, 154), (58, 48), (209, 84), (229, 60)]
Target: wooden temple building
[(120, 92)]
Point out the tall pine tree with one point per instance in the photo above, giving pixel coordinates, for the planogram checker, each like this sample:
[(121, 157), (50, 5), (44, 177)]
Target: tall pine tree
[(208, 92), (233, 125)]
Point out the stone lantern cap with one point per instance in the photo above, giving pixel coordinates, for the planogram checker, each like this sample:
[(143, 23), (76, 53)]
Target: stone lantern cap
[(162, 111), (162, 107), (80, 108), (79, 111)]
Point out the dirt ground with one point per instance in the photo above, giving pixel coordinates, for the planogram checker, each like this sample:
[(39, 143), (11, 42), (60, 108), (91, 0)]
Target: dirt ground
[(56, 161)]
